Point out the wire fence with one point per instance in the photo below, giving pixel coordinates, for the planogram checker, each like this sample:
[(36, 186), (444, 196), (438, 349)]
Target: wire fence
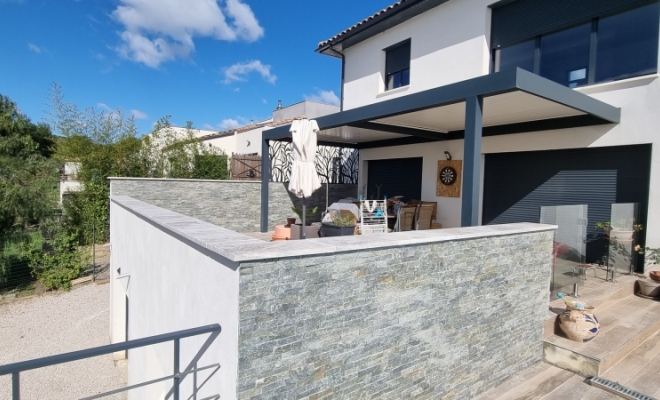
[(15, 271), (17, 277)]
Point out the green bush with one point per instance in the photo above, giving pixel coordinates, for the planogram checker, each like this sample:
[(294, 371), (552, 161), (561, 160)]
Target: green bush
[(15, 270), (58, 264)]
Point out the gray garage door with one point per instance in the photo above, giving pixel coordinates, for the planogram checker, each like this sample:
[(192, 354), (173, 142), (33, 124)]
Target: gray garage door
[(517, 185)]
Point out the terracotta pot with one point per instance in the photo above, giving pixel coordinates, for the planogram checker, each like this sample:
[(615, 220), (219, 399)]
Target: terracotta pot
[(290, 221), (282, 232), (649, 288), (579, 325), (655, 275)]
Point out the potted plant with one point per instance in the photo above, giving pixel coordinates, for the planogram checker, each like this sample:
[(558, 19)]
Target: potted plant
[(339, 226), (650, 288), (623, 230), (311, 231), (310, 213)]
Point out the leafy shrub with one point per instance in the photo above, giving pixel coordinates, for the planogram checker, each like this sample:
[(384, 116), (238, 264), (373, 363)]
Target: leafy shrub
[(346, 220), (58, 264)]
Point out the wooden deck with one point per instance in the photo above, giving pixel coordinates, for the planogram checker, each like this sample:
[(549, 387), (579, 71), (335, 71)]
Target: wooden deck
[(628, 348)]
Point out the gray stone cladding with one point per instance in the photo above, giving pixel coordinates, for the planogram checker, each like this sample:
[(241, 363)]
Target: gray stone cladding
[(428, 321), (234, 205)]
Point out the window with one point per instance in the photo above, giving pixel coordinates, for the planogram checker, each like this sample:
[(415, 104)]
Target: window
[(603, 49), (519, 55), (628, 44), (565, 56), (397, 65)]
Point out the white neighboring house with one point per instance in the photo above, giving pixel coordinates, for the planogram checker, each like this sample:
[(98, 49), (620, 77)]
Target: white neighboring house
[(335, 164), (69, 179), (225, 143), (247, 139)]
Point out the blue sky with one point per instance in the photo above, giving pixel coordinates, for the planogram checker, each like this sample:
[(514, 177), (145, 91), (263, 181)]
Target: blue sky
[(218, 64)]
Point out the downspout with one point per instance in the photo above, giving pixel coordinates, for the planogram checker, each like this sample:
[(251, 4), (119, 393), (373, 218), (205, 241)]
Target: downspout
[(343, 74)]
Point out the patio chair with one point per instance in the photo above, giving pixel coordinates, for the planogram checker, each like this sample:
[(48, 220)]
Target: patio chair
[(406, 218), (424, 216)]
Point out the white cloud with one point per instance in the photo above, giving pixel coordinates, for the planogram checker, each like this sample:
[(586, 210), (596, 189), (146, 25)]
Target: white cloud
[(229, 123), (104, 107), (137, 114), (324, 96), (34, 47), (156, 31), (237, 72)]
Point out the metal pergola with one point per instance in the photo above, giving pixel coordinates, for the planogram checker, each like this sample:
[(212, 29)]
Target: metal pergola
[(501, 103)]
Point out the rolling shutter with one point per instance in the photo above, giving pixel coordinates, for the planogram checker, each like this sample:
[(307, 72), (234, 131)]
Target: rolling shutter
[(525, 19), (397, 58), (517, 185)]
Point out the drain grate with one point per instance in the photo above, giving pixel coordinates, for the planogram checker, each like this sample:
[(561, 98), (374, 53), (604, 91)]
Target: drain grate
[(618, 390)]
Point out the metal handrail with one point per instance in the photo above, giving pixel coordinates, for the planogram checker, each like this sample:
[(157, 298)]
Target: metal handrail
[(16, 368)]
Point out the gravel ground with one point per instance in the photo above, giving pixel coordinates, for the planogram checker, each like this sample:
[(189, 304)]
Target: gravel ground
[(54, 324)]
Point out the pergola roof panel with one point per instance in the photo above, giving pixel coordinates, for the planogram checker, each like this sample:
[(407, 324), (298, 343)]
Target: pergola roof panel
[(513, 101), (349, 134)]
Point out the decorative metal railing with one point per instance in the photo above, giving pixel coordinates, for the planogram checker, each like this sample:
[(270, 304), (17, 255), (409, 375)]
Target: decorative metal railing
[(177, 377)]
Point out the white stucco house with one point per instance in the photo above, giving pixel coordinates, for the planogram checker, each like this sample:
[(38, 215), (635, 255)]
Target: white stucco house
[(546, 103), (246, 139), (69, 179)]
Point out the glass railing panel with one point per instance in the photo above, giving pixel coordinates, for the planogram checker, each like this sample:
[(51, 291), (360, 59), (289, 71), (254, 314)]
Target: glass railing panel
[(569, 248), (622, 232)]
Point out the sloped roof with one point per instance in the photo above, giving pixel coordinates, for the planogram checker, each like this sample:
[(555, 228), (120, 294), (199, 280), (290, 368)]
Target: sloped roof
[(250, 127), (389, 17), (379, 14)]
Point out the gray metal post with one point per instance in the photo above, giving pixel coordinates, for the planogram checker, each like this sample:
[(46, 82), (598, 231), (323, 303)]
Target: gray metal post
[(94, 252), (265, 178), (472, 161), (15, 386), (177, 378)]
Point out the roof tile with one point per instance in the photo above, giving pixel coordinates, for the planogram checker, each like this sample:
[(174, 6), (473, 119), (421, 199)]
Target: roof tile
[(364, 21)]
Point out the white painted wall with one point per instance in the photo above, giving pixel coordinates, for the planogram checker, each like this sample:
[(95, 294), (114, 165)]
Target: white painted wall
[(249, 142), (172, 287), (449, 43), (638, 98), (228, 144), (306, 108), (69, 186)]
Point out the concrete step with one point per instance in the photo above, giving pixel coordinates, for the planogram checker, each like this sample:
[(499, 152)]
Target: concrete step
[(640, 371), (625, 323)]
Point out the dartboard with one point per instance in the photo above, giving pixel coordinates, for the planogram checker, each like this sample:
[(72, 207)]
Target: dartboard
[(448, 176)]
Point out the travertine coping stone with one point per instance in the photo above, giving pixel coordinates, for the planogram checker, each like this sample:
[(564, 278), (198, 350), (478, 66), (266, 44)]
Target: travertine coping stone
[(236, 247)]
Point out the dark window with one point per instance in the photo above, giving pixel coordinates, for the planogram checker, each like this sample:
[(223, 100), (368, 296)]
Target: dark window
[(397, 65), (565, 56), (605, 48), (628, 44), (519, 55)]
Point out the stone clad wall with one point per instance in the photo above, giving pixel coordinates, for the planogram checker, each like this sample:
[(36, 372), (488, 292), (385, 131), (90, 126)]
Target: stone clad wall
[(234, 205), (439, 320)]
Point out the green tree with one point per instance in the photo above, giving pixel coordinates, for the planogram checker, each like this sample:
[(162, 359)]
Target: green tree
[(107, 145), (28, 177)]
